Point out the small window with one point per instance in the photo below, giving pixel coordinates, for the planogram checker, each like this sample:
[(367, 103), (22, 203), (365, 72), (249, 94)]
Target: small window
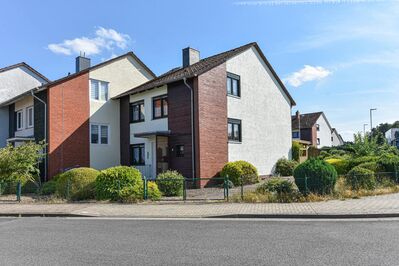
[(20, 119), (233, 85), (99, 134), (179, 150), (295, 135), (160, 107), (29, 112), (317, 127), (332, 138), (99, 90), (234, 130), (138, 154), (137, 112), (318, 141)]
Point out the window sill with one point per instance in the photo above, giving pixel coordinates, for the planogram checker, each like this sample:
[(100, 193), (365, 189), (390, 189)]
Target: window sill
[(156, 118), (234, 96), (135, 122), (234, 142)]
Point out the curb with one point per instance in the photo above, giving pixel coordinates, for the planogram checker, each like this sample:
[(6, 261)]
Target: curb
[(38, 214)]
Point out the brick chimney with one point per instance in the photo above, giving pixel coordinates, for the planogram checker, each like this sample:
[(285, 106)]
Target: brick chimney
[(82, 63), (190, 56)]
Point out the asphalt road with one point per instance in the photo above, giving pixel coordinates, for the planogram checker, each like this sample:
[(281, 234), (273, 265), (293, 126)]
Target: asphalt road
[(66, 241)]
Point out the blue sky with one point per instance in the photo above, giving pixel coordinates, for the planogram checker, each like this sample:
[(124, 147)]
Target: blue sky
[(336, 56)]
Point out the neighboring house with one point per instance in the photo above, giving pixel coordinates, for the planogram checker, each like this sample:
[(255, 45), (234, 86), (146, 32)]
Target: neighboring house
[(17, 114), (314, 127), (231, 106), (392, 137), (81, 124)]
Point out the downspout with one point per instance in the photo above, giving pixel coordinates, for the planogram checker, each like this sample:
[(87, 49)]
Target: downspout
[(192, 127), (45, 132)]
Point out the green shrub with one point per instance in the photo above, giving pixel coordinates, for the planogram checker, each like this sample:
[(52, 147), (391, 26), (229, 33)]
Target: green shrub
[(77, 184), (278, 185), (238, 169), (340, 165), (296, 148), (359, 160), (388, 163), (49, 187), (316, 176), (360, 178), (170, 183), (285, 167), (153, 191), (120, 183), (372, 166)]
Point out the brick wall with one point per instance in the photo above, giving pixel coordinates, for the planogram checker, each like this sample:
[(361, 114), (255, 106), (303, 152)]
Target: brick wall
[(69, 111)]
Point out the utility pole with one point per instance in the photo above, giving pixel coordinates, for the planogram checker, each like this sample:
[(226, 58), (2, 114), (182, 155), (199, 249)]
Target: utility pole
[(371, 119), (364, 129)]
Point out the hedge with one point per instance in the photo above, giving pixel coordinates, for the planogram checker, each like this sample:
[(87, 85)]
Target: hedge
[(77, 184), (360, 178), (285, 167), (170, 183), (236, 170)]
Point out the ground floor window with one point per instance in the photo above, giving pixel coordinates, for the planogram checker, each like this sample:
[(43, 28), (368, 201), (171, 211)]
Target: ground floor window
[(138, 154), (99, 134), (234, 130)]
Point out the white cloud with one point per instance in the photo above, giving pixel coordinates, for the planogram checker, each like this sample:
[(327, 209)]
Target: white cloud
[(105, 39), (307, 73)]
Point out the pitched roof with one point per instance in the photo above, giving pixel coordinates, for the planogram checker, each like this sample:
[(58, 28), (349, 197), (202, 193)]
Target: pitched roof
[(306, 120), (23, 64), (100, 65), (201, 67)]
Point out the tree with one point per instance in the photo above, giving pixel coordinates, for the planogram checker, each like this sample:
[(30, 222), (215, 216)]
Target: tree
[(20, 164)]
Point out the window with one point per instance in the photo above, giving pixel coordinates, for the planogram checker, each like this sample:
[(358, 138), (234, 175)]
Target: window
[(318, 141), (98, 90), (137, 112), (160, 107), (233, 85), (234, 130), (99, 134), (317, 127), (20, 119), (332, 138), (179, 150), (295, 135), (29, 112), (138, 154)]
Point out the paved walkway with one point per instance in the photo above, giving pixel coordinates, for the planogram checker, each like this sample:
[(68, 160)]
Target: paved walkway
[(382, 205)]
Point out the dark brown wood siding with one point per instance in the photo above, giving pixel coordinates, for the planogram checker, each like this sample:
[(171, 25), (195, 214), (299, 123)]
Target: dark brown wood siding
[(125, 130)]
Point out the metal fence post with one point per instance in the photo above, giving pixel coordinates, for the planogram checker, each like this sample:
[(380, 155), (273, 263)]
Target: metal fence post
[(242, 188), (227, 188), (145, 194), (184, 189), (68, 187), (306, 185), (224, 187), (19, 191)]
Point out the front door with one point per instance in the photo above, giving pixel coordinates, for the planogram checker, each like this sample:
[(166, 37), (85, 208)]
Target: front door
[(162, 151)]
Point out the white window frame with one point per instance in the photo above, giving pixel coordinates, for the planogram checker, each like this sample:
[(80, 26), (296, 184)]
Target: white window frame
[(20, 127), (27, 117), (100, 83), (99, 125)]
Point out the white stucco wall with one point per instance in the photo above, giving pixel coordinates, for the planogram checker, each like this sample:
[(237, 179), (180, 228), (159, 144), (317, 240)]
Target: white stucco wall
[(122, 75), (4, 120), (149, 124), (16, 81), (264, 111), (335, 139), (324, 134), (22, 104)]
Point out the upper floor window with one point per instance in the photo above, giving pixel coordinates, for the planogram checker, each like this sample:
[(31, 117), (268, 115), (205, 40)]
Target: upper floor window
[(20, 119), (318, 141), (179, 150), (317, 127), (160, 106), (29, 113), (98, 90), (332, 138), (295, 135), (137, 112), (234, 130), (99, 134), (233, 85)]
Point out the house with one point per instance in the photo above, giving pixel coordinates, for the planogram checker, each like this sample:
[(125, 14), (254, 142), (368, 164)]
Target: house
[(17, 113), (75, 114), (392, 137), (197, 117), (314, 127)]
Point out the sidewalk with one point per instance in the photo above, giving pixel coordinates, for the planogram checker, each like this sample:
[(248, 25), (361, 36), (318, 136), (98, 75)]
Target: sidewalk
[(377, 206)]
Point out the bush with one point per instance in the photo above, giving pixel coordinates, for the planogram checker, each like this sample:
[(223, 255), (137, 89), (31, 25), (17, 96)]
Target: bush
[(153, 191), (296, 148), (278, 185), (285, 167), (359, 160), (320, 177), (360, 178), (340, 165), (170, 183), (372, 166), (49, 188), (77, 184), (388, 163), (120, 183), (238, 169)]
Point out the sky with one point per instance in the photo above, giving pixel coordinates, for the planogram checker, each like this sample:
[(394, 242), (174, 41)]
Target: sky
[(336, 56)]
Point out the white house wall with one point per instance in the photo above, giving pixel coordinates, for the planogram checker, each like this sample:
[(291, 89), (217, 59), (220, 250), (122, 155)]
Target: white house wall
[(22, 105), (122, 75), (264, 111), (335, 139), (4, 120), (324, 134)]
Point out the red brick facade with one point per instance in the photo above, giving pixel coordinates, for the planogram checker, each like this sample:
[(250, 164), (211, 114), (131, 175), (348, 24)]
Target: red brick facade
[(68, 126), (210, 103)]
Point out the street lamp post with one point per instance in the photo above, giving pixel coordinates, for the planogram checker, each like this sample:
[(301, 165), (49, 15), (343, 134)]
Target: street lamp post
[(364, 129), (371, 118)]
